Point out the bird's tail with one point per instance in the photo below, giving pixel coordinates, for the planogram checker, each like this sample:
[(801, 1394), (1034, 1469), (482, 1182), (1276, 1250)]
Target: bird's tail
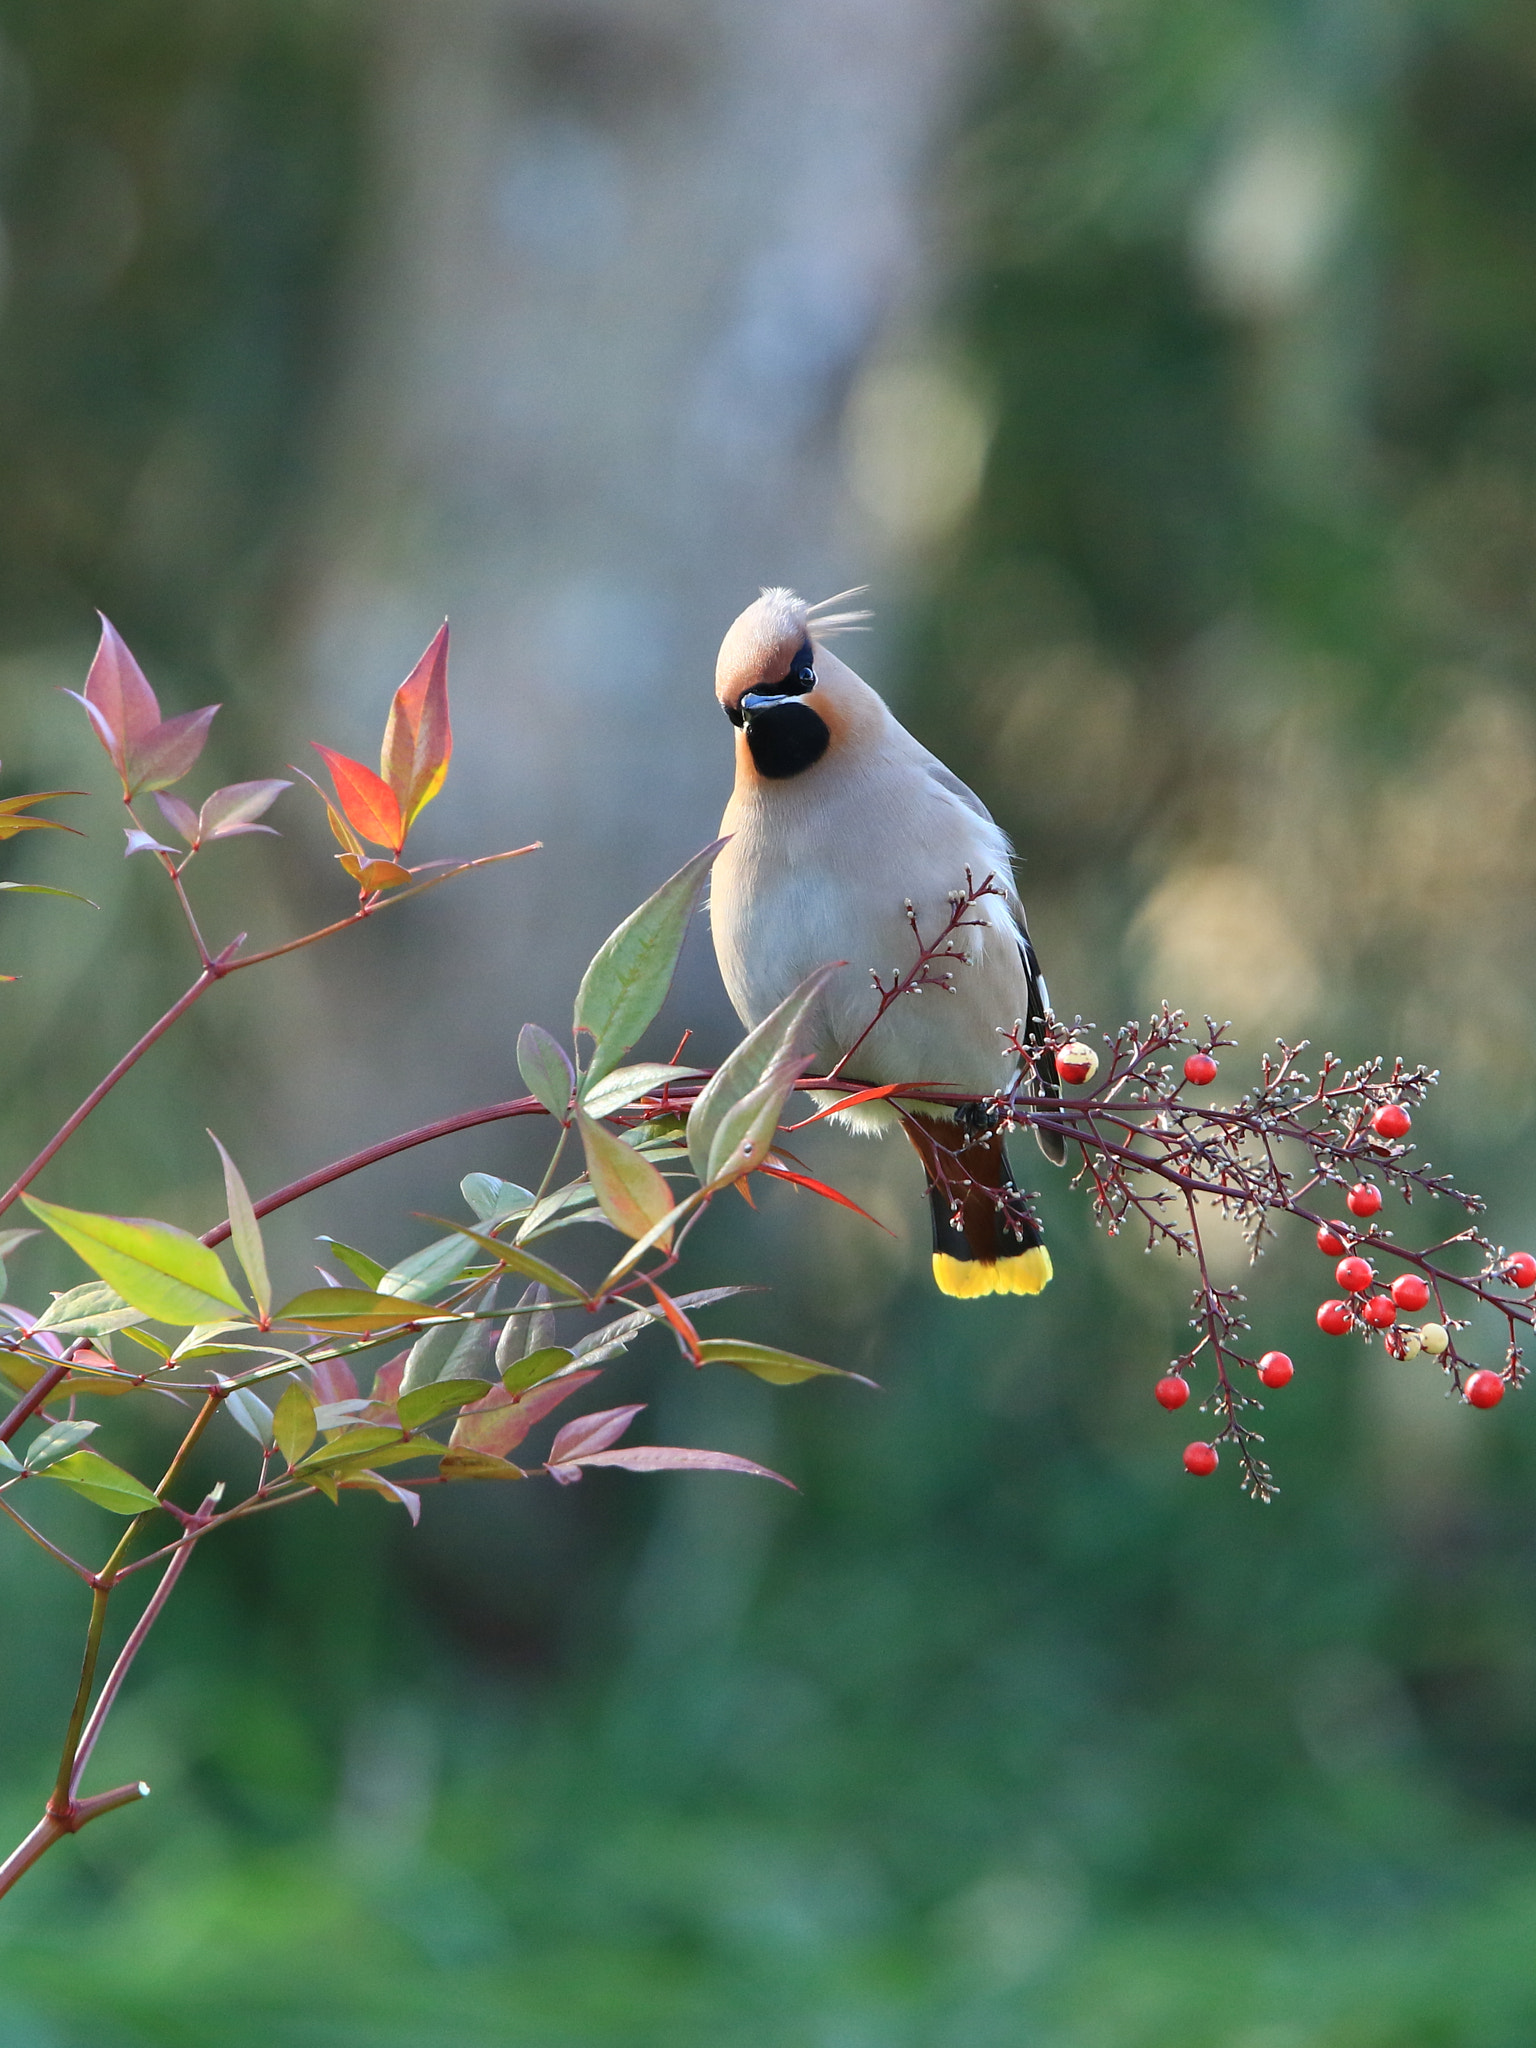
[(985, 1241)]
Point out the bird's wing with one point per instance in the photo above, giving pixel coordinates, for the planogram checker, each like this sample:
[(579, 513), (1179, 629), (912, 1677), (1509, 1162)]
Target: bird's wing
[(946, 778)]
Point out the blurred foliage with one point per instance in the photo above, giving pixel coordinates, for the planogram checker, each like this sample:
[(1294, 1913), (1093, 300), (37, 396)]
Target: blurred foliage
[(1003, 1732)]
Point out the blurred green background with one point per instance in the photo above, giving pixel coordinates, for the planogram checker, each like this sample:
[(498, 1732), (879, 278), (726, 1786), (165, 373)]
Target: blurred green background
[(1170, 369)]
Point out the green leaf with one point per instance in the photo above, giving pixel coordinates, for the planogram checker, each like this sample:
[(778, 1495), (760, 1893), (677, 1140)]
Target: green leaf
[(369, 1271), (424, 1273), (52, 1444), (459, 1350), (293, 1425), (155, 1267), (10, 1239), (518, 1261), (252, 1414), (765, 1066), (365, 1442), (494, 1201), (530, 1327), (9, 1462), (43, 889), (629, 1190), (108, 1485), (425, 1404), (245, 1231), (538, 1366), (478, 1465), (627, 1084), (779, 1368), (628, 979), (542, 1062), (353, 1310), (89, 1310)]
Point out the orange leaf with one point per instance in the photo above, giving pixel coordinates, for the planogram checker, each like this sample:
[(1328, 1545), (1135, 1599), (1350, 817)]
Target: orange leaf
[(853, 1101), (374, 875), (819, 1187), (368, 802), (686, 1334), (418, 740)]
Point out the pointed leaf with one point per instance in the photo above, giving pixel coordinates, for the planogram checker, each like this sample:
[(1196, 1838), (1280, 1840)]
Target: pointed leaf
[(542, 1062), (769, 1056), (627, 1084), (245, 1232), (494, 1201), (252, 1414), (367, 1441), (293, 1423), (529, 1328), (469, 1464), (452, 1350), (108, 1485), (418, 740), (517, 1261), (353, 1310), (590, 1433), (375, 1482), (369, 1271), (630, 1192), (52, 1443), (90, 1310), (154, 1266), (614, 1338), (670, 1458), (45, 889), (142, 842), (159, 758), (9, 1462), (368, 802), (426, 1272), (779, 1368), (628, 979), (179, 815), (121, 703), (535, 1367), (425, 1404), (498, 1423), (237, 806)]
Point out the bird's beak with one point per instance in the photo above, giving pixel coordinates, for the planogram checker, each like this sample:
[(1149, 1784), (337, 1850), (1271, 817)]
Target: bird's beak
[(755, 702)]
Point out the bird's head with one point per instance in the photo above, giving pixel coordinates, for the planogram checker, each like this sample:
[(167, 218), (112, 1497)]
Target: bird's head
[(787, 695)]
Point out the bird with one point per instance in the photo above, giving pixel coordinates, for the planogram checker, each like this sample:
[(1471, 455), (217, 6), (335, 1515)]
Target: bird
[(847, 841)]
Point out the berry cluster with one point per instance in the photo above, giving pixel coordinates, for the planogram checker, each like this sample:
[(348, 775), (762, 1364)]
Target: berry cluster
[(1154, 1155)]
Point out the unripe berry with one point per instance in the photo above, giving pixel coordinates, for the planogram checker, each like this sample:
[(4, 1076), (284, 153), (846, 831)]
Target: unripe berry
[(1334, 1318), (1200, 1072), (1520, 1270), (1172, 1391), (1200, 1459), (1380, 1312), (1410, 1292), (1485, 1390), (1354, 1275), (1391, 1121), (1363, 1199), (1275, 1369), (1403, 1343), (1435, 1338), (1077, 1063)]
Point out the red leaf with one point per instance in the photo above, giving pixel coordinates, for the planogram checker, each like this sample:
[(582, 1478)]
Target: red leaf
[(669, 1458), (369, 804), (687, 1335), (178, 814), (499, 1423), (591, 1433), (121, 703), (418, 740), (162, 756), (331, 1380), (851, 1102), (819, 1187)]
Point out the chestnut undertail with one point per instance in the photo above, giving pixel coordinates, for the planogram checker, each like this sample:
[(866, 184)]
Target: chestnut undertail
[(985, 1240)]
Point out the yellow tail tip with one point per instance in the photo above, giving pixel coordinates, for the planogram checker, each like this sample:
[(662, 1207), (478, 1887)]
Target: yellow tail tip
[(967, 1279)]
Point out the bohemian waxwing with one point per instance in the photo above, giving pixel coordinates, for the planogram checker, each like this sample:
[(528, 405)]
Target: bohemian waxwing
[(842, 833)]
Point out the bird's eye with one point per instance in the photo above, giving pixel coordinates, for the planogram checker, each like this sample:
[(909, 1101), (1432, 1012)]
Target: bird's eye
[(797, 679)]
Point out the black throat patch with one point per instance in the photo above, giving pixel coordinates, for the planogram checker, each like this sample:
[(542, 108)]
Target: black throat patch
[(785, 739)]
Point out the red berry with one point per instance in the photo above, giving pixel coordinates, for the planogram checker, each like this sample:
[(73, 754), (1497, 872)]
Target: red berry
[(1201, 1458), (1363, 1199), (1392, 1121), (1077, 1063), (1334, 1318), (1275, 1369), (1484, 1390), (1380, 1312), (1200, 1072), (1520, 1270), (1332, 1238), (1172, 1392), (1410, 1292), (1354, 1275)]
